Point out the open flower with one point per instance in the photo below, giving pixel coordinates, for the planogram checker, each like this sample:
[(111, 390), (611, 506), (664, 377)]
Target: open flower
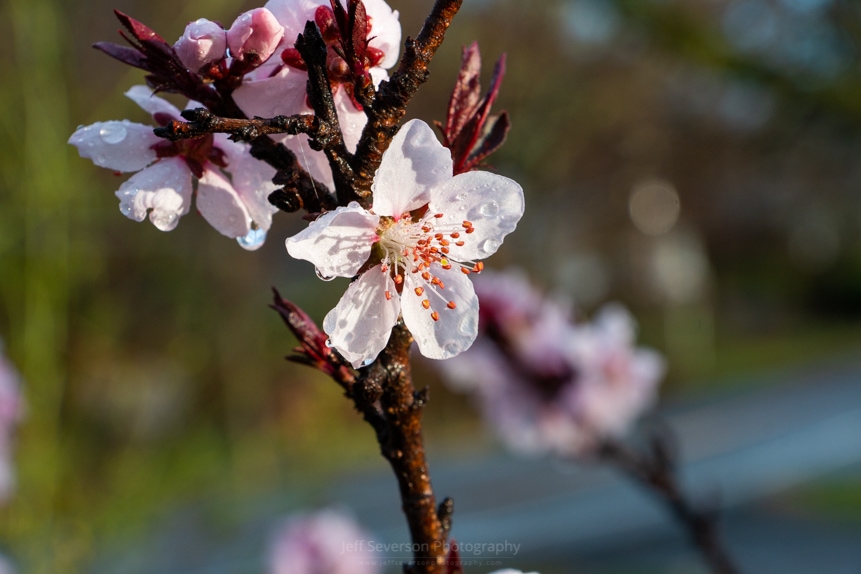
[(426, 231), (162, 188), (546, 383)]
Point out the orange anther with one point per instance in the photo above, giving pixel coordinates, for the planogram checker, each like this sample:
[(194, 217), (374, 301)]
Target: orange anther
[(465, 271), (399, 279), (451, 305), (447, 266), (459, 243), (466, 224), (419, 291), (444, 242), (384, 268), (388, 295), (435, 316), (455, 235), (438, 236), (426, 303), (426, 276), (438, 215), (470, 230), (478, 267), (445, 250)]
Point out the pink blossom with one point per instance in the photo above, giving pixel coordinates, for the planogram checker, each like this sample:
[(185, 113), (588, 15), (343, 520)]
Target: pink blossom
[(11, 413), (254, 35), (546, 383), (424, 234), (202, 43), (278, 88), (236, 206), (326, 542)]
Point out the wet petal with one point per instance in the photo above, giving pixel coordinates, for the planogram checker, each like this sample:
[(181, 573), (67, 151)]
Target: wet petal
[(337, 243), (292, 14), (120, 146), (456, 328), (314, 162), (385, 31), (492, 203), (252, 180), (221, 206), (280, 95), (360, 325), (150, 103), (414, 164), (163, 190), (202, 42)]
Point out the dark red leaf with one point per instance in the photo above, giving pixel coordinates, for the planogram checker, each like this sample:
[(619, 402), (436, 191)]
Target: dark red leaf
[(491, 140), (140, 31), (452, 560), (124, 54), (466, 93)]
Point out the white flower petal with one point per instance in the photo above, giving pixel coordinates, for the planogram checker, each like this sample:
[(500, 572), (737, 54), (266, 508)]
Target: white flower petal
[(493, 203), (456, 328), (293, 14), (252, 180), (117, 145), (314, 162), (281, 94), (338, 243), (414, 164), (146, 99), (163, 189), (385, 31), (221, 206), (360, 325), (352, 121)]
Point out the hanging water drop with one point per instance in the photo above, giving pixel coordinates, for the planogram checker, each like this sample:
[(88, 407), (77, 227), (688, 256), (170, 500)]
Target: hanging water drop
[(367, 362), (252, 240), (489, 246), (329, 343), (112, 133), (323, 277)]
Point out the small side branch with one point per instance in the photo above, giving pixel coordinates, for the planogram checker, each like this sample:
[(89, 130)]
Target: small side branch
[(202, 122), (313, 49), (656, 472)]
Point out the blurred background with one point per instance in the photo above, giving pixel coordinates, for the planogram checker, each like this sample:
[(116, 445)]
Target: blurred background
[(696, 160)]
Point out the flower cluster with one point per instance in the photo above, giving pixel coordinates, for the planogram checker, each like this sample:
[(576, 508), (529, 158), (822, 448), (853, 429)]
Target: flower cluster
[(547, 383), (425, 233), (251, 68), (11, 412)]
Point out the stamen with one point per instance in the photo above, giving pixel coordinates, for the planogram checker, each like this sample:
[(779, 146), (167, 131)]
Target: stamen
[(435, 316), (470, 230), (426, 303), (459, 243), (454, 235), (399, 279), (465, 271), (426, 276), (451, 305), (478, 267), (388, 295), (419, 291), (438, 215)]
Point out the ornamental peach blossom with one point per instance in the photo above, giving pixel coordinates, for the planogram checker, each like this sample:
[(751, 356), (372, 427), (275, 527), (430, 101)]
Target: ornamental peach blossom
[(426, 231), (163, 186)]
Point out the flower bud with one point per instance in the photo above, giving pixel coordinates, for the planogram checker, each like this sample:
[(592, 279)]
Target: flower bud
[(203, 42), (254, 36)]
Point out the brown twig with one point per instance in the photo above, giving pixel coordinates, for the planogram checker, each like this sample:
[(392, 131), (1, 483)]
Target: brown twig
[(401, 443), (656, 472), (389, 104)]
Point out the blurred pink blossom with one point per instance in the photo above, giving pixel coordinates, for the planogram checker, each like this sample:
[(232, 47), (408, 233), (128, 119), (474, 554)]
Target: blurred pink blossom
[(325, 542), (163, 186), (11, 413), (202, 43), (546, 383)]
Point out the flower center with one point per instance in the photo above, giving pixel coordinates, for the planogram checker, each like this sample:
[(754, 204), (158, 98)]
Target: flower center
[(415, 246)]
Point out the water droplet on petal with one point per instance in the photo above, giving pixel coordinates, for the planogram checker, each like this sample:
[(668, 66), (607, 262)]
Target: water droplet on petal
[(489, 246), (489, 209), (253, 240), (367, 362), (112, 133), (125, 209), (467, 324), (323, 277), (461, 196), (329, 343), (451, 349)]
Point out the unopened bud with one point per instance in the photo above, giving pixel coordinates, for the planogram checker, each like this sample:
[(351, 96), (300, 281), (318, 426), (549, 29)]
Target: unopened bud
[(254, 36), (203, 42)]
